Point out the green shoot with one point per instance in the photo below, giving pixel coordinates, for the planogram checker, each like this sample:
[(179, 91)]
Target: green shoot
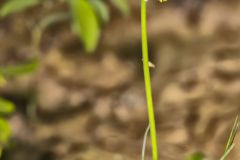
[(227, 152), (231, 138), (148, 80)]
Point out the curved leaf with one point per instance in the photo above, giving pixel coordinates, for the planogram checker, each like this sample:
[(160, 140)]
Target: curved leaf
[(85, 23)]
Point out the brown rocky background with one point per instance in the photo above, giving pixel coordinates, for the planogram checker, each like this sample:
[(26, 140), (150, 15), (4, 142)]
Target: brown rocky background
[(92, 107)]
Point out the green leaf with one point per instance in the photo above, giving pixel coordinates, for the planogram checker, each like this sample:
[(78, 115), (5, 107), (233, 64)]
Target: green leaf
[(13, 6), (123, 6), (6, 106), (20, 69), (5, 131), (196, 156), (101, 10), (85, 23)]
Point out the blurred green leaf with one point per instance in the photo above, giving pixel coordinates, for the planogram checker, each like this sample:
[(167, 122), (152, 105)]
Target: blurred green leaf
[(6, 106), (20, 69), (53, 18), (196, 156), (5, 131), (123, 6), (101, 10), (85, 23), (2, 80), (46, 22), (13, 6)]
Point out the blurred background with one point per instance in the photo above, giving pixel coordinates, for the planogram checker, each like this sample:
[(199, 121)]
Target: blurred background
[(71, 79)]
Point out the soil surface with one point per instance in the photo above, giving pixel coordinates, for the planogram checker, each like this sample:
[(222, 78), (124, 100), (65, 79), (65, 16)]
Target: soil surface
[(92, 107)]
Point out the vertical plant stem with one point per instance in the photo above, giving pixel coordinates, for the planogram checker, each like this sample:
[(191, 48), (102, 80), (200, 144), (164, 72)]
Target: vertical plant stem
[(148, 80)]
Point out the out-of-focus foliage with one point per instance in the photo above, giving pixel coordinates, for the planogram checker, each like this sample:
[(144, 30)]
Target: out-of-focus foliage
[(122, 5), (85, 23), (196, 156), (46, 22), (6, 107), (101, 10), (87, 16), (20, 69), (13, 6), (5, 132)]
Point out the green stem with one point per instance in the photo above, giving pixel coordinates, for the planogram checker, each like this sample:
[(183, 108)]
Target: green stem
[(148, 80)]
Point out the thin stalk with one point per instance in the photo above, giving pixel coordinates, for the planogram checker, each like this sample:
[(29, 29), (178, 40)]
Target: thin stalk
[(148, 80)]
